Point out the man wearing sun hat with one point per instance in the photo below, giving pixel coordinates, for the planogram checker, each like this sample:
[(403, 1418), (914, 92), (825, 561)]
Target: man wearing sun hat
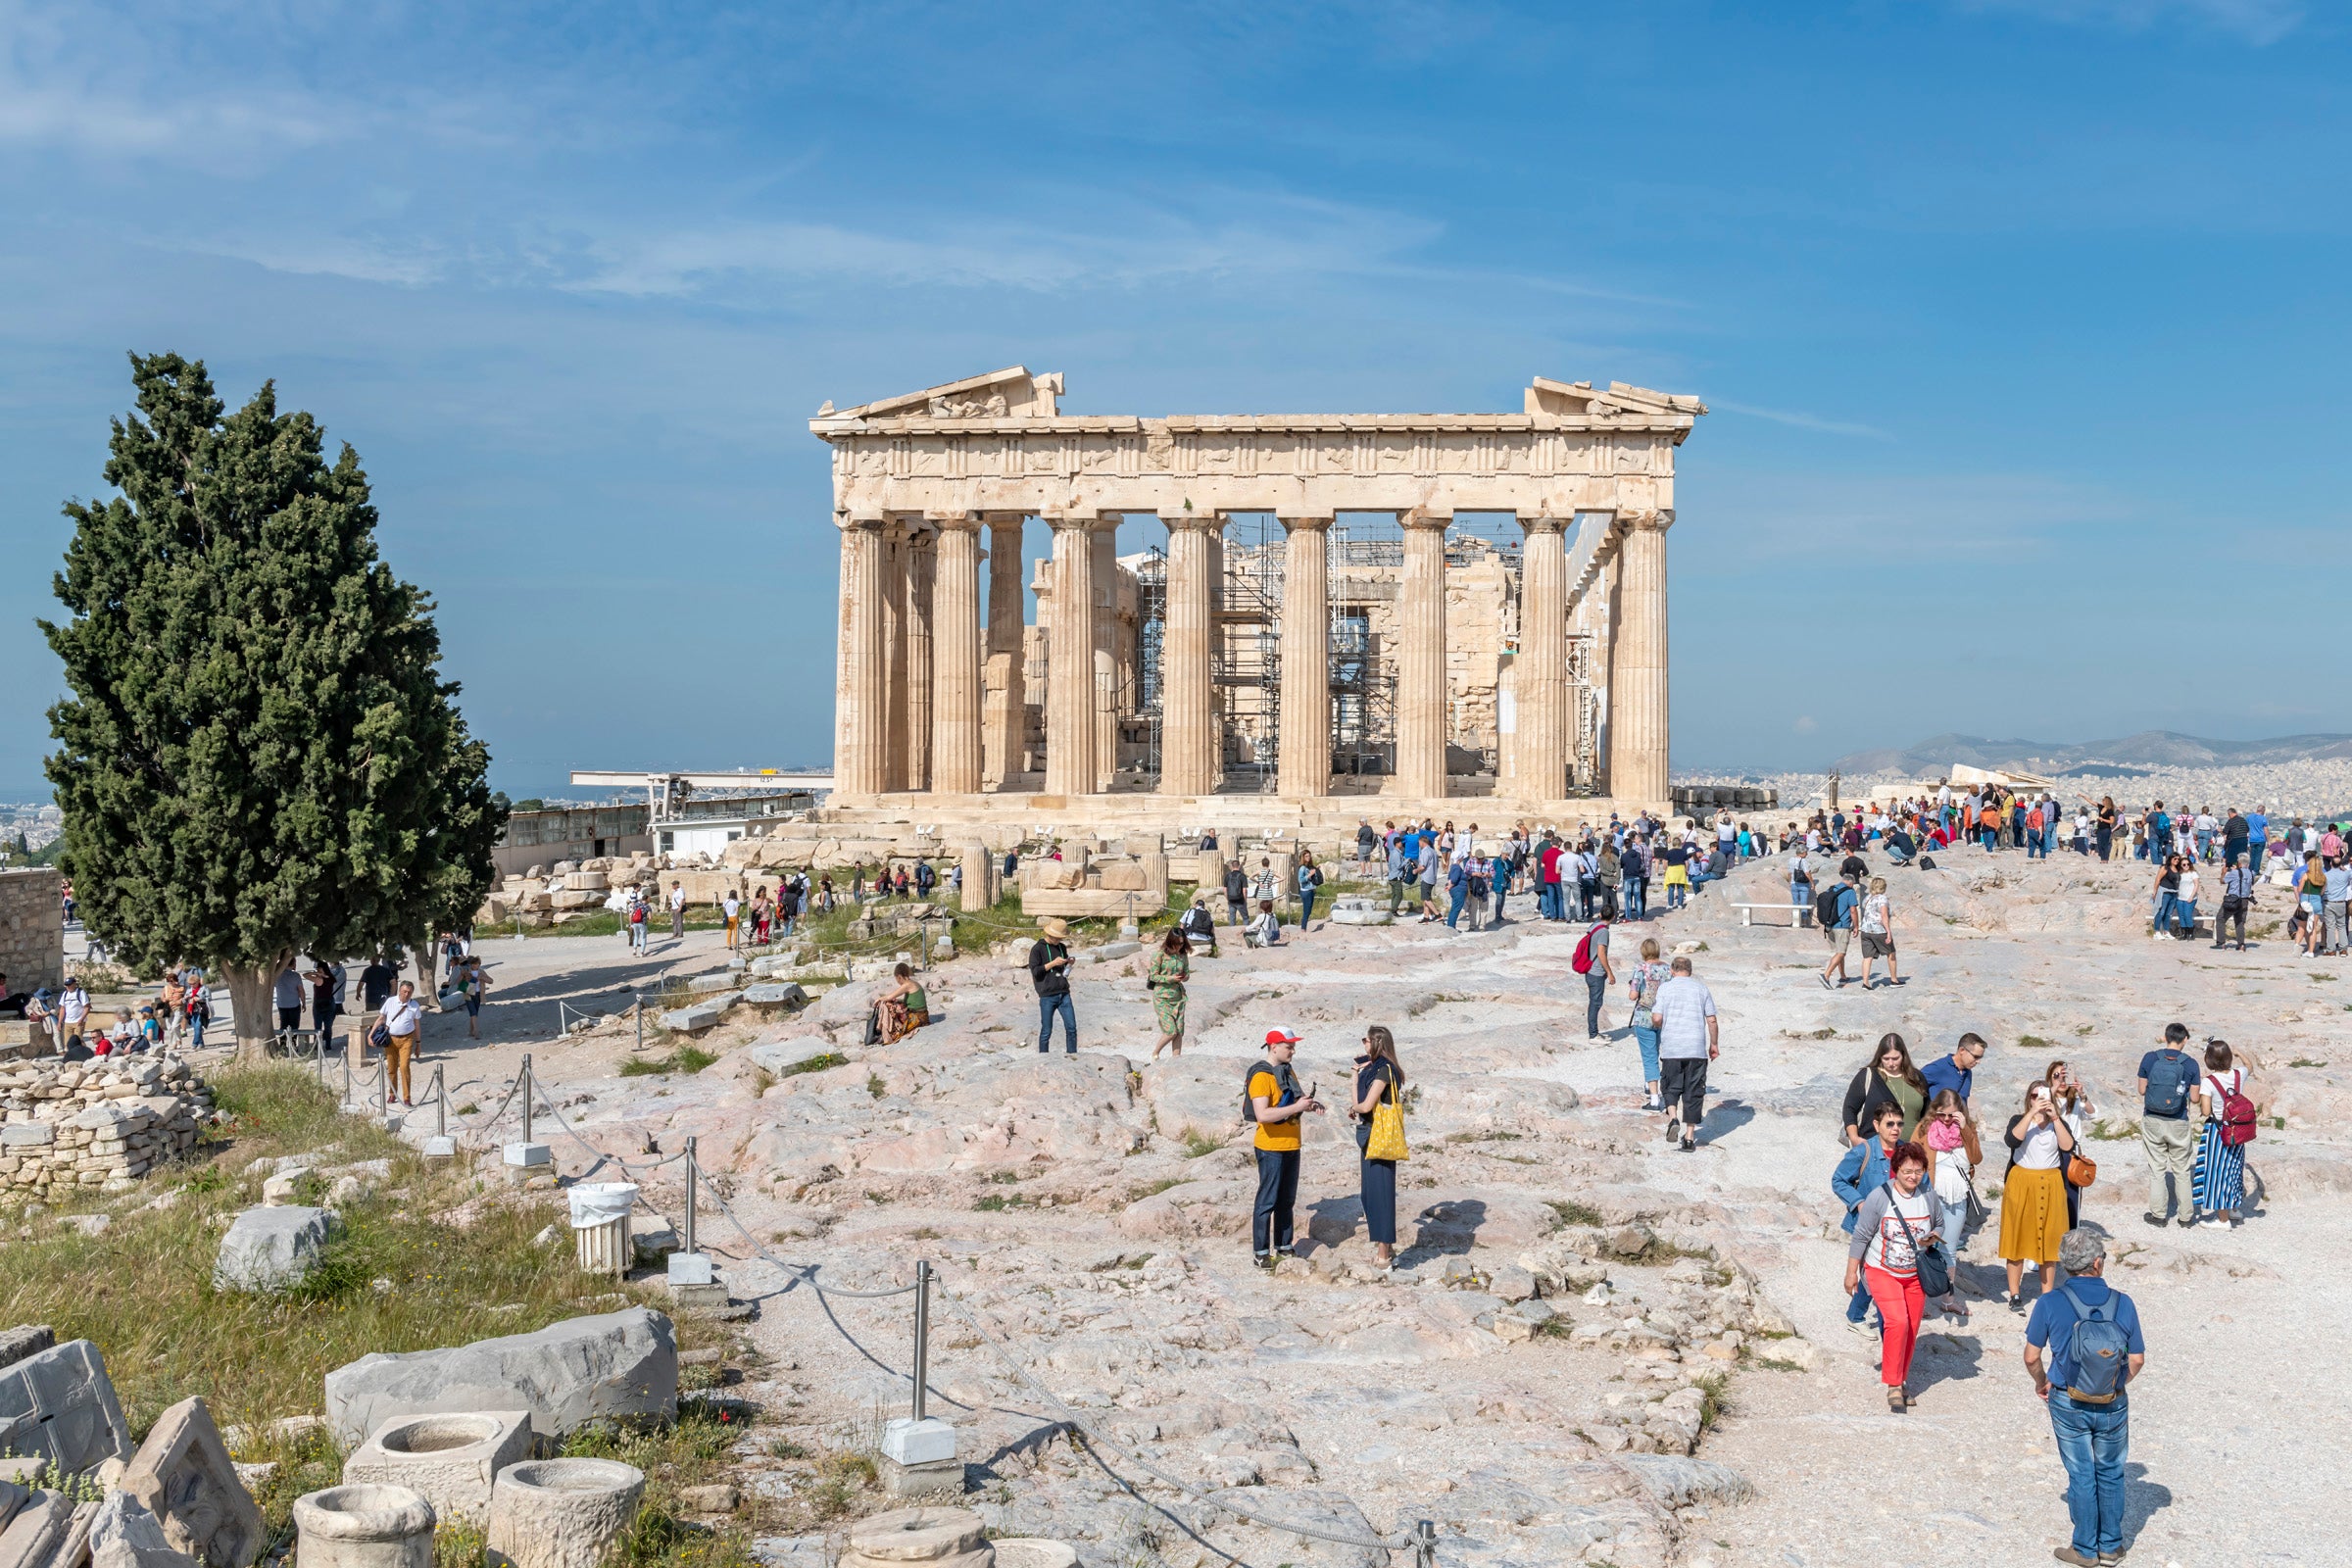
[(1050, 972), (1276, 1102)]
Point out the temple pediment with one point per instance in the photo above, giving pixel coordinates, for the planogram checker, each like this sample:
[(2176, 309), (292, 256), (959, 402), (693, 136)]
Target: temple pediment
[(1008, 394), (1547, 396)]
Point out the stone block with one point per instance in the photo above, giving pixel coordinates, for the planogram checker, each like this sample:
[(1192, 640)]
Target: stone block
[(451, 1461), (925, 1441), (183, 1476), (689, 1268), (562, 1513), (27, 1135), (272, 1247), (285, 1185), (364, 1527), (59, 1404), (1034, 1551), (39, 1528), (27, 1339), (1109, 951), (567, 1375), (524, 1157), (702, 1016), (704, 984), (918, 1535), (782, 994)]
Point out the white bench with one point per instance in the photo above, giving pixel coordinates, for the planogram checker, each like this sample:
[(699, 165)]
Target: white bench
[(1803, 911)]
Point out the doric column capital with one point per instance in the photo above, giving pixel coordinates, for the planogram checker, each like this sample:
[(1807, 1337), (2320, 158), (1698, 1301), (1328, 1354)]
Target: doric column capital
[(1195, 521), (1644, 521), (1295, 525), (1537, 525), (1420, 517), (1068, 522), (959, 521), (1004, 520), (870, 523)]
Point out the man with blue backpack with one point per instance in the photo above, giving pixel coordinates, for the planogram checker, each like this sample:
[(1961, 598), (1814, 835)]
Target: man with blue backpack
[(2092, 1334), (2167, 1078)]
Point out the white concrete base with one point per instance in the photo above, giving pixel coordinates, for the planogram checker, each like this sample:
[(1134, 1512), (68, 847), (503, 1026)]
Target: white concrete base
[(440, 1149), (526, 1155), (690, 1268), (929, 1440)]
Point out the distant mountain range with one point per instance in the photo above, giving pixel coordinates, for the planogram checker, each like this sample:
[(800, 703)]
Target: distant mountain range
[(2149, 749)]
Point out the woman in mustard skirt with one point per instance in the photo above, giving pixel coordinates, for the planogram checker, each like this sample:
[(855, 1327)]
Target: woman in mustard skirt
[(2034, 1192)]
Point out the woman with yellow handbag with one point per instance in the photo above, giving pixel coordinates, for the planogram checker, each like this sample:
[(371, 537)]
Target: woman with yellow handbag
[(1380, 1137)]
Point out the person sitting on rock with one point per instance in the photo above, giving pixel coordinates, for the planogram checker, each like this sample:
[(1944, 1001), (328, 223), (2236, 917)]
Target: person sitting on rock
[(900, 1010), (1265, 931), (1201, 926)]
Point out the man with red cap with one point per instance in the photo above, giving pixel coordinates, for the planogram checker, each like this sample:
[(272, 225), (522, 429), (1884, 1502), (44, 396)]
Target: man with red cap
[(1276, 1102)]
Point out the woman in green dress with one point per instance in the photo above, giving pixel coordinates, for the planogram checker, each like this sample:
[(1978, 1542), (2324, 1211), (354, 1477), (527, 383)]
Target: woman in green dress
[(1170, 969)]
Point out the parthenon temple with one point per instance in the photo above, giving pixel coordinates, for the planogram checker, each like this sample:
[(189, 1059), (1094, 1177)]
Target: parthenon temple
[(1346, 615)]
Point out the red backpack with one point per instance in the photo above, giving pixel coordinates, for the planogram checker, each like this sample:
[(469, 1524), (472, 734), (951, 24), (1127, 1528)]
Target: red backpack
[(1583, 962), (2237, 1115)]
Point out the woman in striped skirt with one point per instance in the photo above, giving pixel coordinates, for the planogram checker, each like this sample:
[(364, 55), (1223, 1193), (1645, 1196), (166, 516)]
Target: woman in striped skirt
[(2218, 1182)]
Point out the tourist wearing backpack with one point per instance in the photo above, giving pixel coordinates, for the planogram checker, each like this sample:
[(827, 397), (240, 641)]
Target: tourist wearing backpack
[(1591, 960), (2090, 1332), (2168, 1082), (1272, 1103), (1834, 911), (2219, 1181)]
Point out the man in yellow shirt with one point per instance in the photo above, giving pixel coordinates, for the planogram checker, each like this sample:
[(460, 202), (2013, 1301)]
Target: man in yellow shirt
[(1276, 1102)]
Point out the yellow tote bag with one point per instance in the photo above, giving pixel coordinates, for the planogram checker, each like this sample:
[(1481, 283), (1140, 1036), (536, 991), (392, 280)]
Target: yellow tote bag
[(1387, 1127)]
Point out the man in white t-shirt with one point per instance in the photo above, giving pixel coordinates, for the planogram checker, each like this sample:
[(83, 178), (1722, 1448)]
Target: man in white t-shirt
[(677, 912), (72, 1009), (404, 1024), (1688, 1038)]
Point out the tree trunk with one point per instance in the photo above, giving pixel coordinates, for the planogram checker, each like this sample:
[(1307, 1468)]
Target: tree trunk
[(251, 998)]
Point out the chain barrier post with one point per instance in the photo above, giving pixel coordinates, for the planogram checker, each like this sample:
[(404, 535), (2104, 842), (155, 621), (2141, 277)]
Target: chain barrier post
[(922, 1332), (692, 1176), (1425, 1544), (440, 1102), (527, 1096)]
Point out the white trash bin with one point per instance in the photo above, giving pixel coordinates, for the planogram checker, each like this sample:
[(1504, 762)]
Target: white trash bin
[(600, 1226)]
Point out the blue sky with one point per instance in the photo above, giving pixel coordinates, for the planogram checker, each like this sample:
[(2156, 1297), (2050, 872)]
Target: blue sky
[(2023, 320)]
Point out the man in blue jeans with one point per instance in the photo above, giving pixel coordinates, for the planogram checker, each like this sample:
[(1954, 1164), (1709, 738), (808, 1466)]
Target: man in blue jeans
[(2094, 1431), (1050, 974)]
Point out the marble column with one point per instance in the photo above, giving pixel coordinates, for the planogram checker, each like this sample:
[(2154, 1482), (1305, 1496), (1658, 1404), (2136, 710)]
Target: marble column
[(1303, 762), (1540, 674), (893, 655), (1106, 626), (1421, 703), (956, 750), (859, 705), (1189, 763), (923, 567), (1070, 660), (1638, 663), (1007, 717)]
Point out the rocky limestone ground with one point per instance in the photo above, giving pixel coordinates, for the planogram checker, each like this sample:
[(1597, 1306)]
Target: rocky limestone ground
[(1579, 1308)]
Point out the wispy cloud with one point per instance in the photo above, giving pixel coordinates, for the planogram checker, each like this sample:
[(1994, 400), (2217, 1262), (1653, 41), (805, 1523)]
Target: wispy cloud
[(2260, 22), (1262, 236), (1801, 422)]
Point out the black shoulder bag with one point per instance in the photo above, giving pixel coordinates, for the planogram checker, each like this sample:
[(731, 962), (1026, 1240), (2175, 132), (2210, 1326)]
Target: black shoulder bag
[(1934, 1269)]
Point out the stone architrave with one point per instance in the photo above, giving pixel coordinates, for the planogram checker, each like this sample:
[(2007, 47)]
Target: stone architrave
[(1189, 760), (1541, 670), (1007, 717), (59, 1404), (861, 717), (1638, 663), (922, 563), (1421, 706), (1070, 660), (1303, 764), (182, 1475), (955, 642)]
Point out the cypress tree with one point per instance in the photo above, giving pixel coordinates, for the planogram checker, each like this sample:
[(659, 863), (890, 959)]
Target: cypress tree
[(260, 757)]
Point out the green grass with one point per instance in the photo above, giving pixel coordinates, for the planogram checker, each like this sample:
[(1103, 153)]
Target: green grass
[(1136, 1194), (142, 1289), (1572, 1212), (2106, 1132), (831, 1058), (998, 1202), (1198, 1143), (2320, 975), (2033, 1043), (2306, 1062), (686, 1058)]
